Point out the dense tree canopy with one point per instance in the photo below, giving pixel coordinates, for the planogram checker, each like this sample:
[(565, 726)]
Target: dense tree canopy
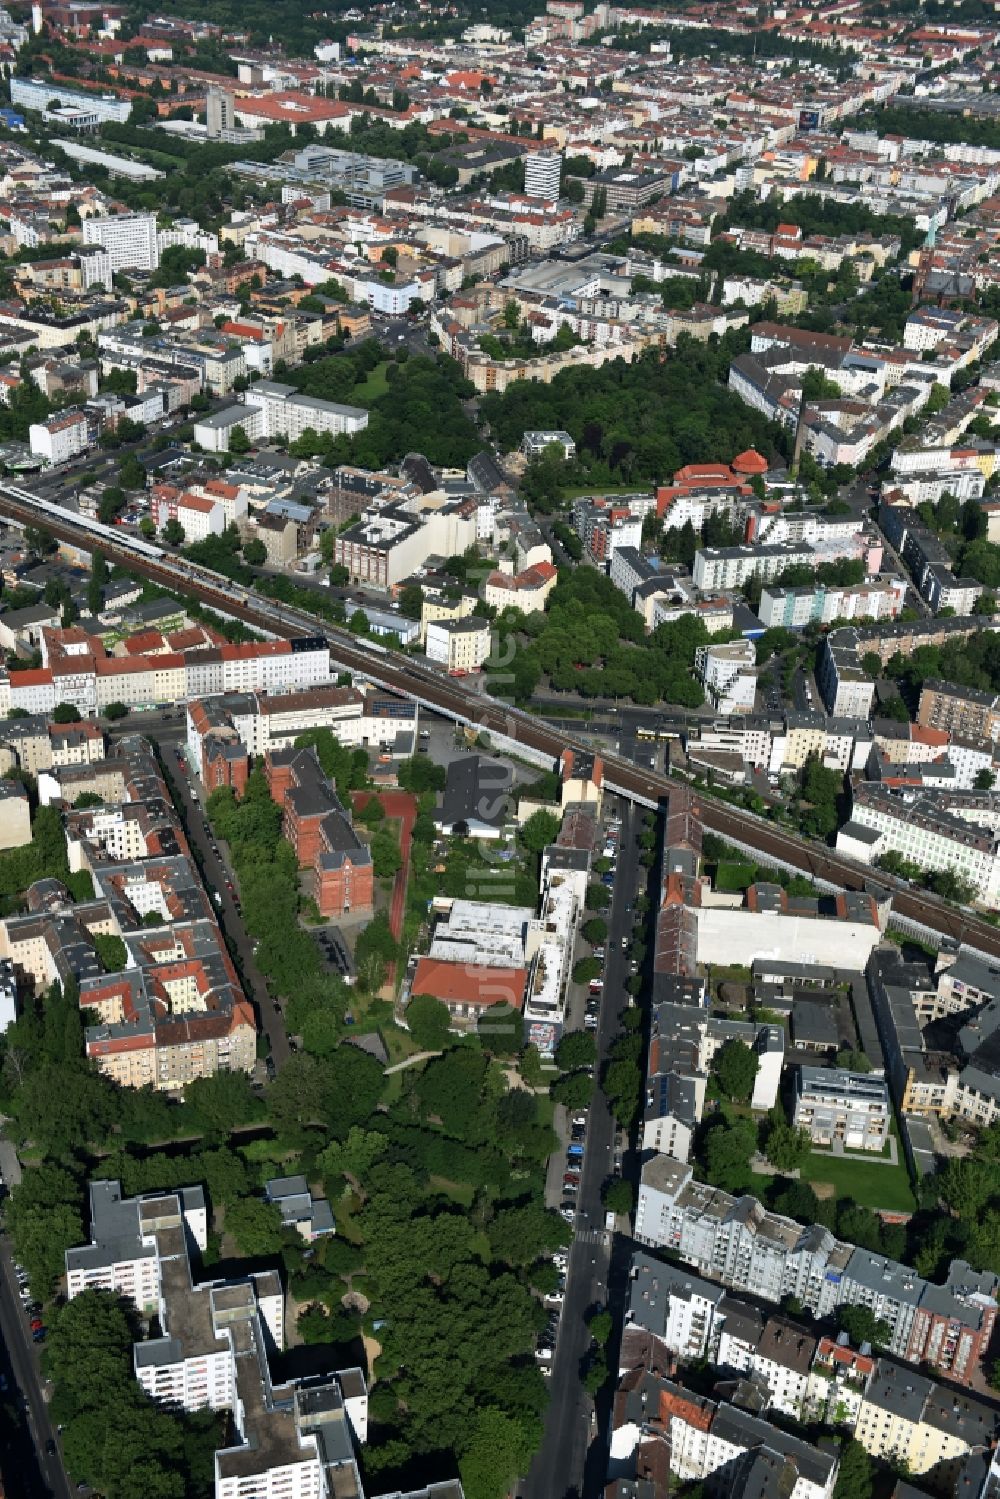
[(635, 423)]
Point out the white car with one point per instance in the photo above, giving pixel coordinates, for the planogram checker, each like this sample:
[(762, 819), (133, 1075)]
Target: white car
[(561, 1262), (555, 1298)]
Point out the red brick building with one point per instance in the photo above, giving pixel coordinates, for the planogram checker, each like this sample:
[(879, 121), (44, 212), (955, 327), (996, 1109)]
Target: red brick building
[(224, 757), (224, 762), (320, 831)]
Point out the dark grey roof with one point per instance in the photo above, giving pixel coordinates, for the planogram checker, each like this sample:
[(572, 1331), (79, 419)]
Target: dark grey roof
[(477, 791), (813, 1023)]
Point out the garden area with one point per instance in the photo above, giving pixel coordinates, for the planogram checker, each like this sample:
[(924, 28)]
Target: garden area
[(877, 1184), (842, 1194)]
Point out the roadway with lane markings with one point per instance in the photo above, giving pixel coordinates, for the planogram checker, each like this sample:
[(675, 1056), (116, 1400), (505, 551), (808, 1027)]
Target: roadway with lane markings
[(415, 680), (573, 1451), (40, 1473)]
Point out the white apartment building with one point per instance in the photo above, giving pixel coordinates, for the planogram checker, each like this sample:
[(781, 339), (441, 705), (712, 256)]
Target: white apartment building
[(836, 1105), (288, 1441), (461, 645), (123, 1255), (730, 567), (776, 1354), (60, 438), (190, 234), (129, 239), (794, 608), (918, 485), (199, 515), (705, 1440), (729, 675), (33, 691), (927, 327), (39, 93), (542, 174), (170, 677), (8, 995), (270, 409), (677, 1307), (287, 414), (926, 830), (387, 545), (393, 300)]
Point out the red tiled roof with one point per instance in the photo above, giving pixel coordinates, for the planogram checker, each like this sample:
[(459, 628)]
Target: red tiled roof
[(293, 108), (470, 984), (750, 462)]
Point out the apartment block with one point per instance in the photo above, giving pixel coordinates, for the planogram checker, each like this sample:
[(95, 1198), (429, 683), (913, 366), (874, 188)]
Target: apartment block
[(838, 1107), (124, 1255), (39, 93), (320, 831), (936, 829), (737, 1242), (794, 608), (731, 567), (387, 545), (270, 409), (729, 675), (295, 1440), (460, 645), (659, 1428), (898, 1415), (965, 711), (60, 437), (175, 1012), (15, 814), (128, 238), (962, 1083)]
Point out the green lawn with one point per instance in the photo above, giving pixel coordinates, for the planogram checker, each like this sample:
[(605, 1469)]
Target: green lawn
[(869, 1183), (460, 1192), (372, 1013), (374, 385), (731, 876)]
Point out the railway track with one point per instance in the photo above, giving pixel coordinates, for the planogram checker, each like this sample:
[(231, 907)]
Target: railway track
[(414, 680)]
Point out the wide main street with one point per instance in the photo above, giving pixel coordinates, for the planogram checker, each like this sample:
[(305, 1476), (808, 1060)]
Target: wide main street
[(32, 1464)]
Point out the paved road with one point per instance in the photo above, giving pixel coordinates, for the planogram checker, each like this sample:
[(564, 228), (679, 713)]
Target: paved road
[(570, 1462), (30, 1471)]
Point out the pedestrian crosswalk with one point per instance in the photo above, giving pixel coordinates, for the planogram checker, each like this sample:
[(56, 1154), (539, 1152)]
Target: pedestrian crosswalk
[(591, 1236)]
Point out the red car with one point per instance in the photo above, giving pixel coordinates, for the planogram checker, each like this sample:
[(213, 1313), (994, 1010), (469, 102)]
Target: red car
[(36, 1323)]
